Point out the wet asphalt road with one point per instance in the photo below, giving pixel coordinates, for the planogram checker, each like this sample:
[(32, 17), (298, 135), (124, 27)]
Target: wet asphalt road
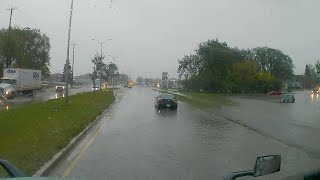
[(296, 124), (134, 141), (42, 95)]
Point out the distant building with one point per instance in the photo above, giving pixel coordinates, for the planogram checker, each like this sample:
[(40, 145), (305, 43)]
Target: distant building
[(118, 79), (56, 77), (83, 79), (296, 82), (296, 85)]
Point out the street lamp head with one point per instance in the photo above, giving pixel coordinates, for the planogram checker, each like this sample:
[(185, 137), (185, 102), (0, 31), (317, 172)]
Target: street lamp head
[(12, 8), (107, 40)]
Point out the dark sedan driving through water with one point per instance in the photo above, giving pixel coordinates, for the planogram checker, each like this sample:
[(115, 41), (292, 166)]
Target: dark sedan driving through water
[(166, 101)]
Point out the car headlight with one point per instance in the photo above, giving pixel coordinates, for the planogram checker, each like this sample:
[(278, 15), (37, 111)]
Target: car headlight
[(7, 92)]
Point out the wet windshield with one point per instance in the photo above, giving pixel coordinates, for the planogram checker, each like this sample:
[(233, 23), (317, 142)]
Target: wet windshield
[(159, 89)]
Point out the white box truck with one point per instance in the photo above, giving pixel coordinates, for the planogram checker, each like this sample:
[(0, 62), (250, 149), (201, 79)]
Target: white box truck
[(16, 80)]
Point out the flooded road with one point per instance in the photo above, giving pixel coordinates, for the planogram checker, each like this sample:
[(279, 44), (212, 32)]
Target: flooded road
[(296, 124), (134, 141)]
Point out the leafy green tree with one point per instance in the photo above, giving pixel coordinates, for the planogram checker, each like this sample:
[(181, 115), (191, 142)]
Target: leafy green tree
[(310, 76), (209, 69), (317, 66), (243, 74), (94, 76), (27, 48), (70, 78), (265, 82), (139, 79), (99, 67), (273, 61), (307, 76), (147, 81), (111, 69), (190, 65), (217, 67)]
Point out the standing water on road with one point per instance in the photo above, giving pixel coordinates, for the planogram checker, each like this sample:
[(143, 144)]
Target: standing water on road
[(202, 51), (295, 124), (135, 140)]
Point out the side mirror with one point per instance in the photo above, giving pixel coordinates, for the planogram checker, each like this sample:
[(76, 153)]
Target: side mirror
[(11, 169), (267, 165), (264, 165)]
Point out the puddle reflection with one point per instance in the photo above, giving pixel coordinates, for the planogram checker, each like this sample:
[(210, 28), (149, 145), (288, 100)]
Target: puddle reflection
[(314, 97), (59, 95)]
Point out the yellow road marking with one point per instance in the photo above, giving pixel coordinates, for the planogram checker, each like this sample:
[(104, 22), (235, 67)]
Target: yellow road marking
[(83, 150)]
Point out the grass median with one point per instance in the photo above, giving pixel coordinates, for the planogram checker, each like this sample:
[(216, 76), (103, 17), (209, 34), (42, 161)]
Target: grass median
[(205, 100), (32, 134)]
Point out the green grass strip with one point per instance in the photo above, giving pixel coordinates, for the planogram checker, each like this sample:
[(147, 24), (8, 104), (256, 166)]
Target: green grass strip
[(30, 135)]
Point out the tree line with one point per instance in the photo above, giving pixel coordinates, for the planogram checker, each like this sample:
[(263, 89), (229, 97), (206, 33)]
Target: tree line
[(311, 77), (24, 48), (217, 67)]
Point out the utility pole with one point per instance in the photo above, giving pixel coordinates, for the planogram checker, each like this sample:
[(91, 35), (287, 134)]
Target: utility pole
[(101, 64), (73, 45), (111, 74), (68, 50), (9, 31), (168, 81)]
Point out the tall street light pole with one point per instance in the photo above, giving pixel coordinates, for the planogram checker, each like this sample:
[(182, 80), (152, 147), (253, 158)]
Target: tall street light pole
[(68, 50), (9, 32), (101, 44), (73, 46)]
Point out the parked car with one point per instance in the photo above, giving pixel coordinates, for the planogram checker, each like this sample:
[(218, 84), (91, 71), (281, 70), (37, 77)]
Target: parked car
[(274, 93), (287, 98), (166, 101)]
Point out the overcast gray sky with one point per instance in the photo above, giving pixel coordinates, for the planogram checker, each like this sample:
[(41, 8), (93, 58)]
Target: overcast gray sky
[(149, 36)]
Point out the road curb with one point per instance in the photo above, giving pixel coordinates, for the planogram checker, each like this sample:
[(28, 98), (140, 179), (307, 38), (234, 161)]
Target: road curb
[(54, 161)]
